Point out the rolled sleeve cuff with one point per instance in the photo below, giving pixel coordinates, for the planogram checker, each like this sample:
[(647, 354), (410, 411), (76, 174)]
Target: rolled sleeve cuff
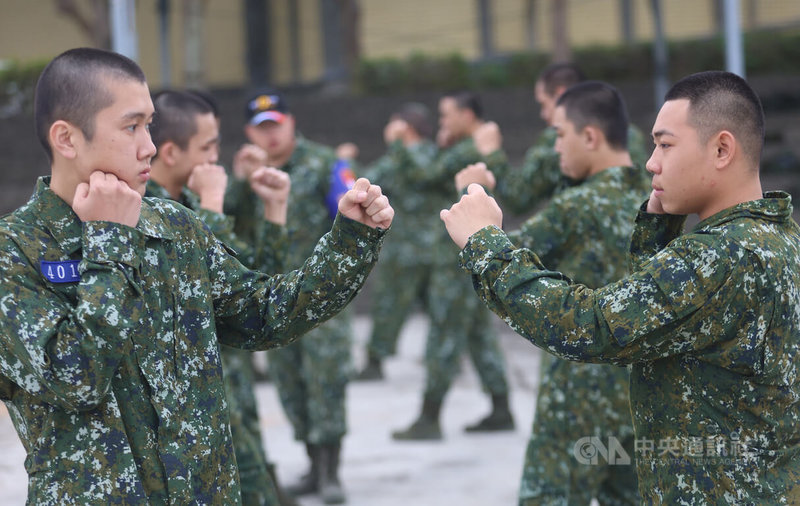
[(487, 244), (111, 243)]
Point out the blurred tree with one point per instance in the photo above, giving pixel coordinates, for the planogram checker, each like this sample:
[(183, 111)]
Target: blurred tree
[(295, 56), (257, 44), (561, 48), (351, 32), (341, 40), (94, 24)]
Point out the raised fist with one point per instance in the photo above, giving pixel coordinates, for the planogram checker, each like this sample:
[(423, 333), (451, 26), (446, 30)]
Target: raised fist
[(487, 138), (209, 182), (107, 198), (247, 159)]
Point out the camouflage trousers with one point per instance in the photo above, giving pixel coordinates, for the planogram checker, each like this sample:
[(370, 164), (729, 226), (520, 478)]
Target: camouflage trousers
[(258, 488), (563, 464), (311, 376), (397, 288), (459, 322)]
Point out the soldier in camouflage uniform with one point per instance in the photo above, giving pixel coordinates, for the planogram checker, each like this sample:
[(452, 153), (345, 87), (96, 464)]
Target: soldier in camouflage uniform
[(522, 190), (458, 319), (109, 362), (708, 319), (186, 135), (310, 375), (584, 232), (406, 263)]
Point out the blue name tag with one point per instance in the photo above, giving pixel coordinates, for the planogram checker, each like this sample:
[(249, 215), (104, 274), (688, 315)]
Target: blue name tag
[(61, 272)]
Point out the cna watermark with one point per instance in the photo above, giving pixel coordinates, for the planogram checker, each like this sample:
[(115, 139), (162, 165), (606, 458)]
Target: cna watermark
[(720, 449), (588, 451)]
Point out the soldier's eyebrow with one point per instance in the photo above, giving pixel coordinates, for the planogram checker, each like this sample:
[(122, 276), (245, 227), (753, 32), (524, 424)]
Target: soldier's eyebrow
[(662, 132), (135, 115)]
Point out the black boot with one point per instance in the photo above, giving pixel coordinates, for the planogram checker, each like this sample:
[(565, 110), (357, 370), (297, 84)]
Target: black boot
[(426, 427), (499, 419), (371, 371), (284, 499), (309, 482), (330, 489)]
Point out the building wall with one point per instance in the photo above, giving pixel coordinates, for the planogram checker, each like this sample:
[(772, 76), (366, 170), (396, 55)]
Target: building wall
[(389, 29)]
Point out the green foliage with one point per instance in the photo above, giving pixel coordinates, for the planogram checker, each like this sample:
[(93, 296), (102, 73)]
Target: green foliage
[(17, 83), (766, 52)]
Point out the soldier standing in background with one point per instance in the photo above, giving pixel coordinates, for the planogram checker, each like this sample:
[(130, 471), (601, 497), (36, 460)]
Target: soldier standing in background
[(404, 271), (458, 319), (708, 319), (186, 135), (310, 375), (521, 190), (584, 232)]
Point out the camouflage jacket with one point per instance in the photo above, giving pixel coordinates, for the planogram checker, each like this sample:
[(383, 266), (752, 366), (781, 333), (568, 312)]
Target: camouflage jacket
[(416, 224), (711, 324), (585, 230), (437, 181), (267, 252), (310, 168), (109, 361), (522, 190)]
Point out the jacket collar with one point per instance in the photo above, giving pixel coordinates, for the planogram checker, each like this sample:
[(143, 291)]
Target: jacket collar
[(58, 218)]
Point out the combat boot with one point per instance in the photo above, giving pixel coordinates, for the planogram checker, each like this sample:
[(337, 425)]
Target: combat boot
[(372, 371), (499, 419), (309, 482), (330, 489), (284, 499), (426, 427)]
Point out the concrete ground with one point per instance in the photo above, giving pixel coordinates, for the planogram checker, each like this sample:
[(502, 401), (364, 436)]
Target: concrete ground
[(377, 471)]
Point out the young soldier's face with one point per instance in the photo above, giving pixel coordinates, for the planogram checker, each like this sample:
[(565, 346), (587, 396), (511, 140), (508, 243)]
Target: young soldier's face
[(547, 103), (203, 146), (453, 119), (570, 146), (680, 162), (121, 144), (277, 139)]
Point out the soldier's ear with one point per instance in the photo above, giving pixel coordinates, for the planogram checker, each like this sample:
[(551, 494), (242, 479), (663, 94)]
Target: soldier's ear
[(591, 137), (725, 146), (65, 139), (167, 153)]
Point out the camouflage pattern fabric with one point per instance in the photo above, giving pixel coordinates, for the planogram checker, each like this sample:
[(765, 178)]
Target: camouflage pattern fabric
[(583, 232), (403, 272), (709, 322), (114, 382), (522, 190), (310, 375), (459, 322), (258, 488)]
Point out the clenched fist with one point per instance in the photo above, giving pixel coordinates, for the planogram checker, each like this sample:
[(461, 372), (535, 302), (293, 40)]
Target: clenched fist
[(487, 138), (247, 159), (209, 182), (473, 212), (272, 186), (106, 198), (365, 203), (475, 173)]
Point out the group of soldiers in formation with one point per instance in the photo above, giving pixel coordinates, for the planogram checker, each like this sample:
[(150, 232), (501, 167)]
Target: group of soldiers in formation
[(141, 276)]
